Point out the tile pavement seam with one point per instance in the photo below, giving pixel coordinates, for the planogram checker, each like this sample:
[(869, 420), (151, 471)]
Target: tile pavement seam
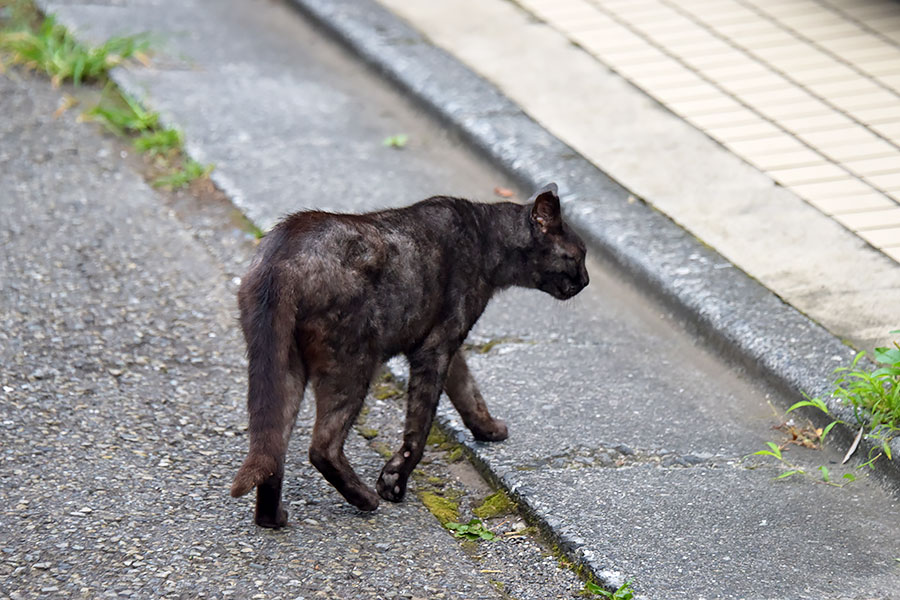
[(862, 24), (748, 106), (675, 6), (865, 75)]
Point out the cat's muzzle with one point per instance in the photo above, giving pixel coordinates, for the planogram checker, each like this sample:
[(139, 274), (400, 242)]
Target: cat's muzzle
[(567, 288)]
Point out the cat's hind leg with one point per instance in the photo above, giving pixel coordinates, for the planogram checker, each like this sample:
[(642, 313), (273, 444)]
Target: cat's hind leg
[(270, 432), (269, 509), (463, 393), (339, 398), (276, 379)]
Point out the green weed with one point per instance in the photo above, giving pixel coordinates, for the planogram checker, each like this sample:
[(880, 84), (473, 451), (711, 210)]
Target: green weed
[(395, 141), (159, 143), (625, 591), (872, 394), (474, 530), (874, 397), (791, 469), (46, 46), (122, 115), (184, 175), (50, 48)]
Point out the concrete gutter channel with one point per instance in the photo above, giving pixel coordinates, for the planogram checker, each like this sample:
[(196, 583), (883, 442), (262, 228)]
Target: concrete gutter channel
[(737, 317)]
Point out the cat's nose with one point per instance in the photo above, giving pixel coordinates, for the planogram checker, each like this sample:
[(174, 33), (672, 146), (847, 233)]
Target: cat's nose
[(585, 280)]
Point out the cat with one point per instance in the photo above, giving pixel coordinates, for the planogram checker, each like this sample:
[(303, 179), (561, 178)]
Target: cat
[(329, 297)]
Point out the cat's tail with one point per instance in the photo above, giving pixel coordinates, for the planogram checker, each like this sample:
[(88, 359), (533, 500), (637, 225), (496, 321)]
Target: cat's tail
[(268, 315)]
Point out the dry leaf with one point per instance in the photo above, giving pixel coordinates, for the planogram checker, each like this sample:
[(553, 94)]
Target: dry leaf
[(143, 58), (504, 192), (853, 446), (807, 436), (65, 104)]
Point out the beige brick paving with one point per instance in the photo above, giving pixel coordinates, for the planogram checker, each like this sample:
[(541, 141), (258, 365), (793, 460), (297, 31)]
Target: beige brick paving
[(807, 91)]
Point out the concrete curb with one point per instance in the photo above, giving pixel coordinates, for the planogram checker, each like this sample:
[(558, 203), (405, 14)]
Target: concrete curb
[(728, 309)]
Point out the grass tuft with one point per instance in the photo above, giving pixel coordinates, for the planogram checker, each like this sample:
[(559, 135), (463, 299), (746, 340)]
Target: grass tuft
[(51, 49), (159, 143), (43, 45), (874, 397), (184, 175), (624, 592), (122, 115)]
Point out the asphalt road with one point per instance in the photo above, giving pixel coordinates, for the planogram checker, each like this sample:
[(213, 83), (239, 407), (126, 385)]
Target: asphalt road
[(123, 383)]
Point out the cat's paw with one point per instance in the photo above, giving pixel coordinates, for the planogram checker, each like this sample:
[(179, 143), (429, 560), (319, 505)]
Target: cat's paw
[(366, 501), (272, 519), (496, 432), (391, 486)]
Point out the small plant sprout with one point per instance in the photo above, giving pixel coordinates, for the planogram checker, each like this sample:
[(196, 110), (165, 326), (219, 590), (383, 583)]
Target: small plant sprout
[(624, 591), (156, 143), (473, 530), (122, 115), (396, 141), (190, 171)]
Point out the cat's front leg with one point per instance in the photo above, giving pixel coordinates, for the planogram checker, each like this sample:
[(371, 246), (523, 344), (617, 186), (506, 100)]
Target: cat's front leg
[(463, 393), (425, 380)]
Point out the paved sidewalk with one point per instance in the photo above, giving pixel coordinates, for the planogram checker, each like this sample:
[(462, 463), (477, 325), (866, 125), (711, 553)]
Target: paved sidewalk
[(776, 108)]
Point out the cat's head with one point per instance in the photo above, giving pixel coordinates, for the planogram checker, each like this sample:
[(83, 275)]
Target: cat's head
[(557, 252)]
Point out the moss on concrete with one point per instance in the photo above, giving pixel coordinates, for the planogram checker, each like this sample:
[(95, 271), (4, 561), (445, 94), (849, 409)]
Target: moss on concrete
[(444, 509), (367, 432), (494, 505), (386, 387), (436, 437)]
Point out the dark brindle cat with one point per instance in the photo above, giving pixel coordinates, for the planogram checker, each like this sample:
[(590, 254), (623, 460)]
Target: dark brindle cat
[(330, 297)]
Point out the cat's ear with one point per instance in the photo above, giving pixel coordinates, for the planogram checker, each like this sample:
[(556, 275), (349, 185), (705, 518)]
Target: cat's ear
[(545, 210)]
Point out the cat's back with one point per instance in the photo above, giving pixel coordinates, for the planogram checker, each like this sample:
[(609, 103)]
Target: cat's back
[(431, 222)]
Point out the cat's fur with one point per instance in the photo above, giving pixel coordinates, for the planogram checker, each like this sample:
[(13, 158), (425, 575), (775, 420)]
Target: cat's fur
[(330, 297)]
